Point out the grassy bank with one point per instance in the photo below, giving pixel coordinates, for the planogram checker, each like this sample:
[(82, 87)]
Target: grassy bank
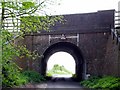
[(105, 82)]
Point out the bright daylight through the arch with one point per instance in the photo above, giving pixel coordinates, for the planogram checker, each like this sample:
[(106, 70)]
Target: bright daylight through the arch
[(64, 60)]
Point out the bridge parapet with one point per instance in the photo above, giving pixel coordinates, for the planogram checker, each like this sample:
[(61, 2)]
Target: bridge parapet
[(101, 21)]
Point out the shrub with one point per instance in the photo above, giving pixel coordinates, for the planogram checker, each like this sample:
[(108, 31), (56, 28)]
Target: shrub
[(11, 77), (106, 82), (90, 82), (49, 74), (33, 77)]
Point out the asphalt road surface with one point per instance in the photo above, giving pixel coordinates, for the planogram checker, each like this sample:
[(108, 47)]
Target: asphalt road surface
[(60, 84), (56, 84)]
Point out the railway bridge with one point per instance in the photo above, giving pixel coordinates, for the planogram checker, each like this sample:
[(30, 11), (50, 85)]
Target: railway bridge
[(89, 37)]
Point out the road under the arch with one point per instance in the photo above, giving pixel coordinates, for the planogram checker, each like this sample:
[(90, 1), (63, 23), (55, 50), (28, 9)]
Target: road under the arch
[(64, 83)]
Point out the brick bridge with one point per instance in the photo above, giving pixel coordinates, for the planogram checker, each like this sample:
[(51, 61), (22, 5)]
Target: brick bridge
[(87, 37)]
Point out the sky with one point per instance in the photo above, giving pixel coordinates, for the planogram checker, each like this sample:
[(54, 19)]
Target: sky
[(81, 6)]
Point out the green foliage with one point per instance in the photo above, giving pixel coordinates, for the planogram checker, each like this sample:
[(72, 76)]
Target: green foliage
[(22, 8), (33, 76), (11, 72), (36, 23), (11, 76), (49, 74), (27, 5), (106, 82), (58, 70), (74, 75), (16, 78)]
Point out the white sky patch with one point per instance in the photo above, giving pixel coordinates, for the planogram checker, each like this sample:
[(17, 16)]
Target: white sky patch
[(82, 6), (62, 58)]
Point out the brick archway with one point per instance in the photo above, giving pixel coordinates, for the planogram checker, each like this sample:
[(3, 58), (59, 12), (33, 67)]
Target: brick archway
[(72, 50)]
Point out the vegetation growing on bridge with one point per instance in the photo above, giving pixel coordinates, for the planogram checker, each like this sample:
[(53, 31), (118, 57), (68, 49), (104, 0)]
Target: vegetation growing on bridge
[(105, 82), (57, 69), (11, 72)]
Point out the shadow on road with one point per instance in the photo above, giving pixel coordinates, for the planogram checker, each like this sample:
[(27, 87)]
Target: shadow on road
[(57, 82)]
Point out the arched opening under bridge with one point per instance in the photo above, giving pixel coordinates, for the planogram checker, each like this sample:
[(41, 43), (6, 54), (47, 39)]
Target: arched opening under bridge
[(70, 48)]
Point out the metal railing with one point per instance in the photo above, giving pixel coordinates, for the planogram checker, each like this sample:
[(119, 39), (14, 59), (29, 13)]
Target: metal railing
[(116, 30), (13, 23), (117, 19)]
